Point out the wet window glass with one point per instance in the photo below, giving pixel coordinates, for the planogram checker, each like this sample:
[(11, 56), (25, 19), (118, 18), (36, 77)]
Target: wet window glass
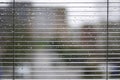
[(59, 40)]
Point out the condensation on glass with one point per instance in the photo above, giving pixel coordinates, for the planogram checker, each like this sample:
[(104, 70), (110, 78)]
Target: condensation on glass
[(59, 40)]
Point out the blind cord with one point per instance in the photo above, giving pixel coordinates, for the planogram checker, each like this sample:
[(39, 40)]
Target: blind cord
[(13, 40), (107, 76)]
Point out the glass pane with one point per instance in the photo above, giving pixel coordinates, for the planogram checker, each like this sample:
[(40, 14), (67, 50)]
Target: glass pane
[(60, 39)]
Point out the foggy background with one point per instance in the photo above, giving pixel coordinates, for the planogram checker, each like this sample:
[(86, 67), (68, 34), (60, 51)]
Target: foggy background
[(61, 39)]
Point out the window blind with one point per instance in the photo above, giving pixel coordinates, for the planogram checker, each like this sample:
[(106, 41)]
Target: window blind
[(59, 40)]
